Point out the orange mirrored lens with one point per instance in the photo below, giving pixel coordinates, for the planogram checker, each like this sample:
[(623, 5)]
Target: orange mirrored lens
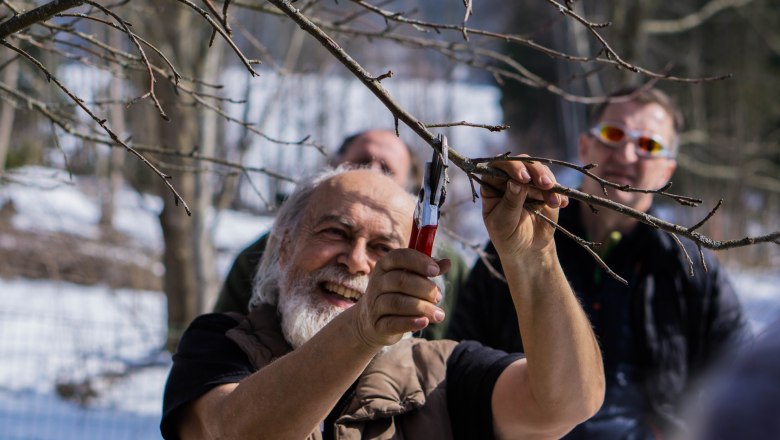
[(649, 145), (612, 134), (615, 136)]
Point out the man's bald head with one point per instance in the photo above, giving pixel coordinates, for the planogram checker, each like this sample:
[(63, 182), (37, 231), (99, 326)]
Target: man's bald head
[(382, 150)]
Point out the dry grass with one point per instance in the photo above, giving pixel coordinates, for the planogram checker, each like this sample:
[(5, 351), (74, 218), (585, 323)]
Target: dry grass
[(113, 259)]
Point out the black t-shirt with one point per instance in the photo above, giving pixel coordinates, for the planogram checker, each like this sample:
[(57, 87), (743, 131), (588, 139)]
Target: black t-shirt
[(206, 358)]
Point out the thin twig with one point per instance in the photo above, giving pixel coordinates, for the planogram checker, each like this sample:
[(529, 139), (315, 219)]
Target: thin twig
[(687, 256), (709, 215), (493, 128), (140, 48), (611, 58), (585, 169), (588, 246), (469, 166), (247, 62)]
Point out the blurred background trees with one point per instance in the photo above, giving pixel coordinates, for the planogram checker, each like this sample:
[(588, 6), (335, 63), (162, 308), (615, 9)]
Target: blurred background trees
[(730, 145)]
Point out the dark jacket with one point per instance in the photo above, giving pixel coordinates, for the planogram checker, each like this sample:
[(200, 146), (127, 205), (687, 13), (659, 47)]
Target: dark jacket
[(677, 324), (401, 394)]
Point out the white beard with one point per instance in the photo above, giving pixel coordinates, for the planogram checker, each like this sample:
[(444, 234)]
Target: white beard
[(304, 312)]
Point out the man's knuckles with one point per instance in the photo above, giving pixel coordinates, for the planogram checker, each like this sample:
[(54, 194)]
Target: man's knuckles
[(407, 283), (400, 304), (405, 259)]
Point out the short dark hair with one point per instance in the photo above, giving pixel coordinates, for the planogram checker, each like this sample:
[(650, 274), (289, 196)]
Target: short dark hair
[(643, 95), (348, 140)]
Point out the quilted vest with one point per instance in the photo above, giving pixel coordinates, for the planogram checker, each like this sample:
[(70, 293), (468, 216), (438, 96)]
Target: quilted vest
[(400, 395)]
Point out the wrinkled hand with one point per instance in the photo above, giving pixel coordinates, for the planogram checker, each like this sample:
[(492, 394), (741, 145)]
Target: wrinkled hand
[(400, 297), (514, 230)]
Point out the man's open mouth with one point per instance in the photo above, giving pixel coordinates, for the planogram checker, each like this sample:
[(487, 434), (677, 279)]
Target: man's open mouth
[(341, 290)]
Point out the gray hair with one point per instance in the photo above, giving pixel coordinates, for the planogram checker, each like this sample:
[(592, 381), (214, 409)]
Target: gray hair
[(288, 220)]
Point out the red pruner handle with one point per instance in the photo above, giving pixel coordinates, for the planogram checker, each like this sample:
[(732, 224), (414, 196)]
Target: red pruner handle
[(422, 239)]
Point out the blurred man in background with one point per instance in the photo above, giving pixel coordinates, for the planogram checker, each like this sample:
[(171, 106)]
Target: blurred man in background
[(664, 328), (743, 399)]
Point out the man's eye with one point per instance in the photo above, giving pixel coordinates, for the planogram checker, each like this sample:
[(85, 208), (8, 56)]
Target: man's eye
[(334, 232), (383, 248)]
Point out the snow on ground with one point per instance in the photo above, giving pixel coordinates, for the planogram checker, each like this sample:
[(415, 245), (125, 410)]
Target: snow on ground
[(50, 200), (61, 341), (759, 292)]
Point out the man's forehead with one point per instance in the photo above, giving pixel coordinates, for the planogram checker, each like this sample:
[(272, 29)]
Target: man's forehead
[(638, 113), (364, 186), (361, 196), (376, 144), (376, 226)]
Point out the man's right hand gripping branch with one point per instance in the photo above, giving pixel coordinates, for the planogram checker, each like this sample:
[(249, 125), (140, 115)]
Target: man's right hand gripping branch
[(562, 378)]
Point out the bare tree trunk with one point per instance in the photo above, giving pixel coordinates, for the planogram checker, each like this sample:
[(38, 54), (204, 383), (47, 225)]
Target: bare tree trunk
[(110, 164), (7, 112), (186, 246), (205, 266), (180, 282)]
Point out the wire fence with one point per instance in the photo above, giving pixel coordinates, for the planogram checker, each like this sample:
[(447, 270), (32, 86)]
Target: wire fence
[(80, 362)]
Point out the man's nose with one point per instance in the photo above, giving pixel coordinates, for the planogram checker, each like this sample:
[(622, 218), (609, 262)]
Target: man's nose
[(375, 164), (627, 152), (355, 258)]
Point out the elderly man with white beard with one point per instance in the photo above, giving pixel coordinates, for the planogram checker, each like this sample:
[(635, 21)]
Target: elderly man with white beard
[(324, 352)]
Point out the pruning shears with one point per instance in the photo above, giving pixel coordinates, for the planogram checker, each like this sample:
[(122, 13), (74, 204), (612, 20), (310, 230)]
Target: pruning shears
[(431, 197)]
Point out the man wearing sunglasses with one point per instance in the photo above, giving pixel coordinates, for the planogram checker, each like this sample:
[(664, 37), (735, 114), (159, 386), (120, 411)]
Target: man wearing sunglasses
[(665, 328)]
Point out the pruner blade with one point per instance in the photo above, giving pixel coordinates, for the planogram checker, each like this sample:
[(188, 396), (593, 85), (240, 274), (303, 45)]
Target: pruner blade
[(431, 197)]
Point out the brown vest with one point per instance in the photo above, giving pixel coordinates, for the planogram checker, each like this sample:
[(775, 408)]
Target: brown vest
[(400, 395)]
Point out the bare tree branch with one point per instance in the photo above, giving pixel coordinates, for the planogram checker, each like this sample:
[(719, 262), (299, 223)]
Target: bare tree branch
[(41, 13), (493, 128), (247, 62), (692, 20), (71, 43), (470, 167), (588, 246)]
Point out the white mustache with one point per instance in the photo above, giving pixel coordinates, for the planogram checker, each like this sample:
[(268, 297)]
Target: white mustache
[(338, 275)]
